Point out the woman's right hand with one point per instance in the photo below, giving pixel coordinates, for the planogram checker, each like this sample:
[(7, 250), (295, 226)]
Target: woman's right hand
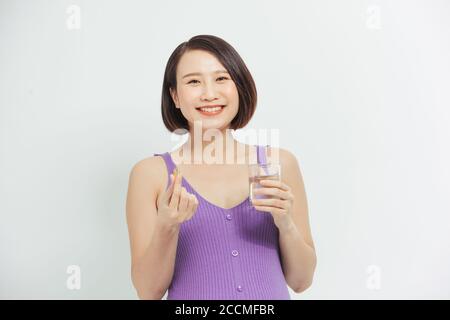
[(176, 205)]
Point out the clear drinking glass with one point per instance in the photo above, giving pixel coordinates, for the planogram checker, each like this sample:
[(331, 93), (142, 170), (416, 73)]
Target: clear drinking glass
[(258, 172)]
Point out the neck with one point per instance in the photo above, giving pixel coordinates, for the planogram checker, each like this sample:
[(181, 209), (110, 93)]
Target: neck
[(212, 146)]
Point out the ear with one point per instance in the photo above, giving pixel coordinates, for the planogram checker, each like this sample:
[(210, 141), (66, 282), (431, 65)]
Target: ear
[(174, 97)]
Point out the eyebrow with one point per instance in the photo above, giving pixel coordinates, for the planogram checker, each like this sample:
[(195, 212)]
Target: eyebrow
[(199, 74)]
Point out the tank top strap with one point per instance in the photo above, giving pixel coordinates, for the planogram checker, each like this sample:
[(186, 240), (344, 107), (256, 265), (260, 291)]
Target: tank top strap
[(169, 164), (261, 154)]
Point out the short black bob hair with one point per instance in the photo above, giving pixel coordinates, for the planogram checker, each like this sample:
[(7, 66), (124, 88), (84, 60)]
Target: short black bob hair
[(233, 63)]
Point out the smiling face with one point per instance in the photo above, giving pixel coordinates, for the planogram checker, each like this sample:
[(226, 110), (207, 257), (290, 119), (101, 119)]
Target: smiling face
[(203, 81)]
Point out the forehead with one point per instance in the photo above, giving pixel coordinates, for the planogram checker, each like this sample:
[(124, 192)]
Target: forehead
[(198, 61)]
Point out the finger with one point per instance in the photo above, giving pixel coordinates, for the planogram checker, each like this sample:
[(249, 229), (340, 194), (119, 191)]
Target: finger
[(192, 207), (270, 209), (176, 192), (169, 189), (164, 197), (275, 183), (186, 213), (275, 203), (279, 193), (184, 199)]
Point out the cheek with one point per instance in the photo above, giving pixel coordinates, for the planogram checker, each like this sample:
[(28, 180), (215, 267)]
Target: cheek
[(231, 91), (187, 95)]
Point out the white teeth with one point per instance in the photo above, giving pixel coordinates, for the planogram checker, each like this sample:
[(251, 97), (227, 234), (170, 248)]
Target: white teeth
[(211, 109)]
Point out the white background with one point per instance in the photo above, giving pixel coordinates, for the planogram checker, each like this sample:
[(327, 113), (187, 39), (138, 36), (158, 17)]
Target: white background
[(358, 89)]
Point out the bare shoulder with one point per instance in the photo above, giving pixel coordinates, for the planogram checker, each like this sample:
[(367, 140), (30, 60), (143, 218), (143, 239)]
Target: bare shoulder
[(290, 168), (292, 176), (284, 157), (150, 172), (145, 181), (149, 165)]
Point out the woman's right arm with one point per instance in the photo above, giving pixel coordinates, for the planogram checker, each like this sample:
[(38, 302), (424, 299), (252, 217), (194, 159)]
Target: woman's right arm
[(153, 225)]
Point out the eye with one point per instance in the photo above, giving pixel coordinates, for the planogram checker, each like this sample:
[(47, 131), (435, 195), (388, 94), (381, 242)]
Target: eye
[(223, 78)]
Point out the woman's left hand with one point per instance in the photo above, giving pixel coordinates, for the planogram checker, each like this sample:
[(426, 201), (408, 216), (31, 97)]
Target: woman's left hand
[(280, 206)]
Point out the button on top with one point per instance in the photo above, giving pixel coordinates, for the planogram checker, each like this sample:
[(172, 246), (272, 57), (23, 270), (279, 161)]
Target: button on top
[(228, 216), (239, 288), (234, 253)]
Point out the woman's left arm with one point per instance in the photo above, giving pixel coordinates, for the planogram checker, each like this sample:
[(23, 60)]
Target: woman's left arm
[(290, 213)]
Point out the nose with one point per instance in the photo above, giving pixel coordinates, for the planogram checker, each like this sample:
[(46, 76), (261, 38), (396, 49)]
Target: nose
[(208, 92)]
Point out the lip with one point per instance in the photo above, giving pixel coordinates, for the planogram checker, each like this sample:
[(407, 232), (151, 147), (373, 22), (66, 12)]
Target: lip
[(210, 105), (209, 114)]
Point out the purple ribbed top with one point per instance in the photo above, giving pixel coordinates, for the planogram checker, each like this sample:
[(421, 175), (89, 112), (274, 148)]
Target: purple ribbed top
[(229, 254)]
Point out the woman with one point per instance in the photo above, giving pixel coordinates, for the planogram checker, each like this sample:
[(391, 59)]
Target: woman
[(193, 229)]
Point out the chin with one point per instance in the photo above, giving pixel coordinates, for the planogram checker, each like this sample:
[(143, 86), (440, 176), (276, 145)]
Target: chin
[(218, 124)]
